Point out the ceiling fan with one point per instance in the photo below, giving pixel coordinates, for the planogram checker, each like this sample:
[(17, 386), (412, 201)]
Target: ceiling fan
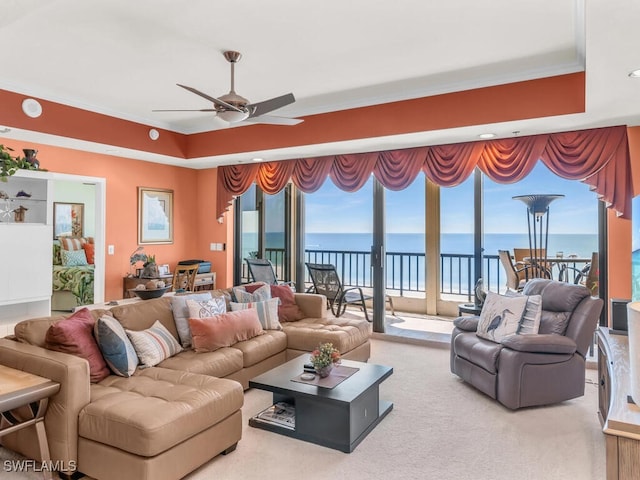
[(233, 108)]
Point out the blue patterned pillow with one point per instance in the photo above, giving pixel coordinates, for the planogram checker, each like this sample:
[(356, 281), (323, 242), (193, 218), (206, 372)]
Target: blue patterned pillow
[(73, 258), (115, 346)]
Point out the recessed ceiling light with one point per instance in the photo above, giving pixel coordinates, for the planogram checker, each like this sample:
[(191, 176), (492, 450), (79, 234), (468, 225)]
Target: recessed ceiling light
[(31, 108), (484, 136), (635, 74), (154, 134)]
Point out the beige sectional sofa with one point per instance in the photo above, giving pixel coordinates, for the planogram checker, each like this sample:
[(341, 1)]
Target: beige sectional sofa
[(165, 421)]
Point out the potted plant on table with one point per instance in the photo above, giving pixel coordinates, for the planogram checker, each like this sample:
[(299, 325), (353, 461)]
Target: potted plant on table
[(323, 358), (150, 268)]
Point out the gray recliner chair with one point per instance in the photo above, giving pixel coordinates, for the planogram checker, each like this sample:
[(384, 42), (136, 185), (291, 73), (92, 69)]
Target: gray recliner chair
[(534, 369)]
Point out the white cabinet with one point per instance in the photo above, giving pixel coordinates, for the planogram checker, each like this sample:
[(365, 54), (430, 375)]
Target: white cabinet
[(25, 249)]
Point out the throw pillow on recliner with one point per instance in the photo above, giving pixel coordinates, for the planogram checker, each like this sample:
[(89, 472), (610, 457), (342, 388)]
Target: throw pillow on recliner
[(500, 316)]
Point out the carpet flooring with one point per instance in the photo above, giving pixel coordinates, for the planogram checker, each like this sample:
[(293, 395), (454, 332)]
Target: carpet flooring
[(440, 428)]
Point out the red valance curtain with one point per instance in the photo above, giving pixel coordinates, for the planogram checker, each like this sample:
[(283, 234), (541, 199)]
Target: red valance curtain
[(598, 157)]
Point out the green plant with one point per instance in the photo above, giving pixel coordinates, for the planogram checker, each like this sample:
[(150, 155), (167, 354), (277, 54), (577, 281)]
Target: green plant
[(10, 165), (151, 260), (324, 355)]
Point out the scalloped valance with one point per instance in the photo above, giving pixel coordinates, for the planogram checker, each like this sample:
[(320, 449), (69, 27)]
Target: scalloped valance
[(598, 157)]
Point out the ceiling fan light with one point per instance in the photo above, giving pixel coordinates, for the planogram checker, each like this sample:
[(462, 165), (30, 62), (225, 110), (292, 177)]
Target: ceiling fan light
[(232, 116)]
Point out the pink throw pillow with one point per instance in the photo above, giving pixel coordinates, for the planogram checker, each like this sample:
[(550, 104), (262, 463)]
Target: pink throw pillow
[(211, 333), (288, 310), (74, 335)]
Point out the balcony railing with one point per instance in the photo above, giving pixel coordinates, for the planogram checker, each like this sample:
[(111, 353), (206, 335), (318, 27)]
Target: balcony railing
[(405, 272)]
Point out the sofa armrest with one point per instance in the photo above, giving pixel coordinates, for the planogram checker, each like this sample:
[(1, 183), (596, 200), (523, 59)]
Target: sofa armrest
[(467, 324), (541, 343), (61, 419), (312, 304)]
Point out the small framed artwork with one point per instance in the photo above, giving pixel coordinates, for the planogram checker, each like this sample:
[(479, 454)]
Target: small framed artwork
[(155, 215), (163, 269), (68, 219)]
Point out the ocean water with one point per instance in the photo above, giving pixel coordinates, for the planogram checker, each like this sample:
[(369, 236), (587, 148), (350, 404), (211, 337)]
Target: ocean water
[(461, 243)]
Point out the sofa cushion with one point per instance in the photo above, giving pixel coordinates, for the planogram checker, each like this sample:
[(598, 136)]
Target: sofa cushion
[(155, 409), (211, 333), (262, 347), (345, 334), (221, 363), (153, 344), (478, 351), (74, 335), (142, 315), (554, 322), (181, 314), (500, 316), (267, 312), (115, 346)]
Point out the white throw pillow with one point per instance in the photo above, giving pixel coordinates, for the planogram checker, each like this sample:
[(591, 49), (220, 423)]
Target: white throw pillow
[(181, 314), (154, 344), (500, 316), (530, 323), (267, 312), (206, 308)]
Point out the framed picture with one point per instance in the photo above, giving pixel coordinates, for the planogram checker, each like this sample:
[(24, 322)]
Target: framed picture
[(68, 219), (155, 215), (163, 269)]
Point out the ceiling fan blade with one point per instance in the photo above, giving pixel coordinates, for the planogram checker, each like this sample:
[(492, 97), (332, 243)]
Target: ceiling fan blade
[(260, 108), (216, 101), (271, 120), (201, 110)]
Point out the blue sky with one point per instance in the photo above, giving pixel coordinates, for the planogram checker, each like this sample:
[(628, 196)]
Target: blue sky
[(332, 210)]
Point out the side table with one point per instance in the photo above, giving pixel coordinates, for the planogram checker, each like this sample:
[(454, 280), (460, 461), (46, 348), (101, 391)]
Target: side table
[(469, 308), (18, 389)]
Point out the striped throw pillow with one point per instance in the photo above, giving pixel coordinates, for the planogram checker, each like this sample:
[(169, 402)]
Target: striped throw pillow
[(154, 344), (267, 312)]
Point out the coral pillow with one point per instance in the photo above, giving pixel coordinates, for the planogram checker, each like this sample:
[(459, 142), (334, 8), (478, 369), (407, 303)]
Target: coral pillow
[(74, 335), (211, 333), (288, 310), (90, 251)]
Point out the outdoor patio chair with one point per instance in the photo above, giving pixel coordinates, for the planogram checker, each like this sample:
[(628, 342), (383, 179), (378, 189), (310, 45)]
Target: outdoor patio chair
[(327, 282), (517, 275), (587, 275), (261, 270)]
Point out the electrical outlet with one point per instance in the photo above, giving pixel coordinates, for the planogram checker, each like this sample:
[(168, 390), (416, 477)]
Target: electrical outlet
[(212, 247), (111, 249)]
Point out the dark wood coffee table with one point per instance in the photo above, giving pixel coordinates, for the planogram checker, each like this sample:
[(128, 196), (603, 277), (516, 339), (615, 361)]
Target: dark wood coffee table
[(338, 418)]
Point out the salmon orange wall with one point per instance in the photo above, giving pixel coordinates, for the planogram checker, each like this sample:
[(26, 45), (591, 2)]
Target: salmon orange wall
[(619, 238), (123, 176)]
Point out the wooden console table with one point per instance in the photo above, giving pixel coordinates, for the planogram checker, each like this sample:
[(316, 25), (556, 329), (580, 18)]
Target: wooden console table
[(204, 281), (17, 389), (619, 418)]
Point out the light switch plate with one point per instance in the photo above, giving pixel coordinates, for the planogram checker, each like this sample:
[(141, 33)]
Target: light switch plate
[(111, 249)]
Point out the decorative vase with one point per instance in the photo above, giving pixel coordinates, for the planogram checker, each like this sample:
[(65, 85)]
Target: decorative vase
[(480, 293), (150, 270), (324, 371)]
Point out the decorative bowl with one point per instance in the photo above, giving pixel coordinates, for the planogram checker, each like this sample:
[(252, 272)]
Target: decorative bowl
[(148, 294)]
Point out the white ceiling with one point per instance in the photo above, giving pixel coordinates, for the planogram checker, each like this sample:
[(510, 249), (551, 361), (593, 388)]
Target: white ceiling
[(123, 58)]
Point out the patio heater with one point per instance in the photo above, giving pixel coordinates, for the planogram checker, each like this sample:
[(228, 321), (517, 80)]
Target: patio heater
[(537, 207)]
